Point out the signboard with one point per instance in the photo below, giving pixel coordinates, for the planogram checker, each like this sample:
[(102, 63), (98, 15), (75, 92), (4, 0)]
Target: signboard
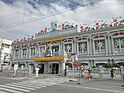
[(77, 64)]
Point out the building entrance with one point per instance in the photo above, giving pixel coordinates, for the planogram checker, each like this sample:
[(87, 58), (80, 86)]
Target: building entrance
[(55, 68), (41, 67)]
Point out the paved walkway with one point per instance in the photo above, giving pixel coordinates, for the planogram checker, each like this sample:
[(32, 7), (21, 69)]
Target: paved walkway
[(6, 74)]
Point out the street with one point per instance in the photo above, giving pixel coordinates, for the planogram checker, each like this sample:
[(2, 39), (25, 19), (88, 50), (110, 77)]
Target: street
[(57, 84)]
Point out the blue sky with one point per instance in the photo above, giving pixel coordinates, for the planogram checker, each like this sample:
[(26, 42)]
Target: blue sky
[(36, 14)]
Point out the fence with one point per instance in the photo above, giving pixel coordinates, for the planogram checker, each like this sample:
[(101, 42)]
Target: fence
[(97, 73)]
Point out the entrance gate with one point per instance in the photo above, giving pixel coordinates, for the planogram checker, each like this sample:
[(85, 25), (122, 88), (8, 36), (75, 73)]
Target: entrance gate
[(55, 68)]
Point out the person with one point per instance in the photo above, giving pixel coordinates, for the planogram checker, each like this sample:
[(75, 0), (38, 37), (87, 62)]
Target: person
[(37, 71), (89, 74), (65, 72), (82, 73), (112, 73), (15, 69)]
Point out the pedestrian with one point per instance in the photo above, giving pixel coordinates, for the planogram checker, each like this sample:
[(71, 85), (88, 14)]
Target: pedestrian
[(82, 73), (37, 71), (65, 72), (89, 74), (15, 70), (112, 73)]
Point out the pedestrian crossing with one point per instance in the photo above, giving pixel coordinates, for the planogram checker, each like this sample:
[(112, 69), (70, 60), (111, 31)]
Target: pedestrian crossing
[(30, 85)]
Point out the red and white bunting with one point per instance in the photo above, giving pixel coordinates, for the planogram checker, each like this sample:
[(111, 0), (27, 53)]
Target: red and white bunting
[(97, 25), (62, 26), (115, 22), (32, 37), (25, 39), (81, 28)]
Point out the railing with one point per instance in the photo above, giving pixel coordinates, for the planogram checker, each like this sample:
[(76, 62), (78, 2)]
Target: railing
[(97, 73)]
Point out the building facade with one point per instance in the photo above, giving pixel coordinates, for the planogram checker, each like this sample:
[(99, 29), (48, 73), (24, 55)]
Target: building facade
[(52, 51), (5, 52)]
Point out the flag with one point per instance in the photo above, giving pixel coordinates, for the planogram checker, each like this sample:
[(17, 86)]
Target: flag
[(45, 30), (122, 22), (97, 25), (24, 39), (21, 40), (17, 40), (81, 28), (29, 39), (115, 22), (33, 38), (62, 25), (86, 28)]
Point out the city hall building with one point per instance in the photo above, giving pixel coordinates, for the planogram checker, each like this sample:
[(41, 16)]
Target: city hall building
[(53, 51)]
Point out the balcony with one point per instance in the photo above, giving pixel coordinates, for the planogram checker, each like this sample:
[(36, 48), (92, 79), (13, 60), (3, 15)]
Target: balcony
[(57, 56)]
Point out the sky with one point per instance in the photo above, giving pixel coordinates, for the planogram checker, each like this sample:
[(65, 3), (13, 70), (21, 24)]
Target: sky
[(24, 18)]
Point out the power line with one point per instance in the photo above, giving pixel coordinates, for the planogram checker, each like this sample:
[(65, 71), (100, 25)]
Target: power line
[(25, 21)]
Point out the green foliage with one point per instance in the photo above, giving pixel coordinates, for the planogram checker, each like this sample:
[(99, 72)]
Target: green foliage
[(110, 65), (93, 66)]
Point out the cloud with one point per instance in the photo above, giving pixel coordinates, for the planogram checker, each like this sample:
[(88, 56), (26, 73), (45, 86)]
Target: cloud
[(14, 13)]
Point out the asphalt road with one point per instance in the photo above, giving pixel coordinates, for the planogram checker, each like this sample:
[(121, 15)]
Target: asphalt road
[(58, 85)]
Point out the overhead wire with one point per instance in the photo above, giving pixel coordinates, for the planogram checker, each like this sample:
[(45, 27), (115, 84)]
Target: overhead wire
[(26, 21)]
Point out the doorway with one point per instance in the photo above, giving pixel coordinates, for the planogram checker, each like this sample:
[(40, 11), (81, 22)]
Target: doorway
[(55, 68), (41, 67)]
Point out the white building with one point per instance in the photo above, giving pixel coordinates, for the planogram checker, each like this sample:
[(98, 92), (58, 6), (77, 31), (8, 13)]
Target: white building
[(5, 52), (93, 48)]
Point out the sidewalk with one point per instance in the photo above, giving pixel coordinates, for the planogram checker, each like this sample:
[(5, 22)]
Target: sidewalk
[(9, 74), (6, 74)]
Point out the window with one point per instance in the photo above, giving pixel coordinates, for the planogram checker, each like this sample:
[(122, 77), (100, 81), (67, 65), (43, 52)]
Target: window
[(68, 47), (82, 47), (5, 45), (99, 46), (32, 51), (24, 52), (16, 53), (55, 50), (118, 44)]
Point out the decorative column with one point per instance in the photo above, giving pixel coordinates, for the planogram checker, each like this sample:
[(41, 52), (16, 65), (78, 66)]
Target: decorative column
[(62, 67), (20, 53), (29, 55), (90, 45), (109, 44), (93, 45), (106, 44), (61, 49), (74, 46), (27, 52), (46, 67)]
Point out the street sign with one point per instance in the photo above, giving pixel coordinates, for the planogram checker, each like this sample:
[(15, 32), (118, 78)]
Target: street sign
[(77, 64)]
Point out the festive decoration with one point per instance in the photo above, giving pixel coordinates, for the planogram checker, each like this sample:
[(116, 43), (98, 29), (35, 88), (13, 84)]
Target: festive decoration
[(81, 28), (63, 26), (97, 25), (115, 22)]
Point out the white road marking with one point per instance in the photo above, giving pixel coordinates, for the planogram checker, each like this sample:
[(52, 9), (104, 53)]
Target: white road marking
[(27, 86), (3, 92), (106, 90), (21, 87), (9, 90), (15, 88)]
